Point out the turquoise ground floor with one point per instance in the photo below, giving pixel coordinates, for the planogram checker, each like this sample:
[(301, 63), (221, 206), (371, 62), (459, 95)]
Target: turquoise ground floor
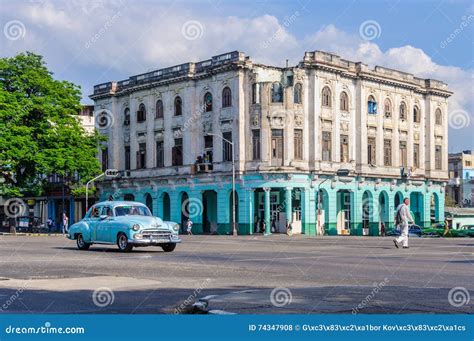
[(267, 203)]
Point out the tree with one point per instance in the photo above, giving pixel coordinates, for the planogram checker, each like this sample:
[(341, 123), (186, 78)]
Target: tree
[(40, 132)]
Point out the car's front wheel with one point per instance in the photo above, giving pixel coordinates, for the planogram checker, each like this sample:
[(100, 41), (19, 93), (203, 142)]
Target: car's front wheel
[(123, 244), (81, 244), (168, 247)]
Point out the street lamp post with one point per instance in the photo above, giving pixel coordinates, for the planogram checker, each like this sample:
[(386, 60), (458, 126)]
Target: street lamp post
[(108, 173), (234, 230)]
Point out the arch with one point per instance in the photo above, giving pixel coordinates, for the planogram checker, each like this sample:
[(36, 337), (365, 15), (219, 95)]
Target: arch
[(416, 114), (322, 218), (126, 117), (141, 113), (438, 117), (367, 212), (178, 106), (326, 98), (403, 111), (387, 108), (209, 212), (344, 101), (371, 105), (159, 109), (166, 202), (149, 202), (417, 207), (434, 209), (383, 211), (207, 102), (397, 200), (344, 212), (129, 197), (226, 97), (298, 93), (277, 93), (184, 204)]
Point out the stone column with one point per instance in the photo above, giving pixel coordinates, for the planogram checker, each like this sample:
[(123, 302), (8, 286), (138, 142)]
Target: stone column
[(267, 211)]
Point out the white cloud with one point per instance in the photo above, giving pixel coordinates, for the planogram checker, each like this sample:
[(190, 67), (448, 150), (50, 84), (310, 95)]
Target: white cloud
[(126, 38)]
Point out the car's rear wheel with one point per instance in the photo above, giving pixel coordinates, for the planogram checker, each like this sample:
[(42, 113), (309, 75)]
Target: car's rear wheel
[(81, 244), (123, 244), (168, 247)]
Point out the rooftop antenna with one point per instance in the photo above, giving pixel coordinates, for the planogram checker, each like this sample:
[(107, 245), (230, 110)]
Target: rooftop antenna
[(287, 63)]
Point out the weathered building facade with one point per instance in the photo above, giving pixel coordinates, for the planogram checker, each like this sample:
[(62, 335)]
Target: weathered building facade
[(292, 128)]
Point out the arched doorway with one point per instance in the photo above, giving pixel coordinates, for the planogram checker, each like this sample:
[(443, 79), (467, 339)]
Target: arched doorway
[(129, 197), (231, 205), (383, 211), (416, 207), (184, 210), (434, 209), (322, 223), (343, 213), (149, 202), (367, 212), (166, 207), (209, 216)]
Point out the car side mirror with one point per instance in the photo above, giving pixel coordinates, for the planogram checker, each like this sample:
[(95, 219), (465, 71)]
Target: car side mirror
[(103, 216)]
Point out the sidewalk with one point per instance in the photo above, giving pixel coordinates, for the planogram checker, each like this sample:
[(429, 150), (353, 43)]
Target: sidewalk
[(53, 234)]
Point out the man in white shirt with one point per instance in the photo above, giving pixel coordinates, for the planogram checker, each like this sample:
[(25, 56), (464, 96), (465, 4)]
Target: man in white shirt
[(403, 219)]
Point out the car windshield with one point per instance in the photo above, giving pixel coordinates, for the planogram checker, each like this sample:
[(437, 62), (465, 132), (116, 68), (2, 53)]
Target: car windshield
[(132, 210)]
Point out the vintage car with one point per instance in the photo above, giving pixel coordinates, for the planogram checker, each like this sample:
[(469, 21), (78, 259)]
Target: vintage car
[(126, 224)]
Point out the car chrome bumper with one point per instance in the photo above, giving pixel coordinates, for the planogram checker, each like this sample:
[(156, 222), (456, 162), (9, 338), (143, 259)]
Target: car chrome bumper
[(155, 241)]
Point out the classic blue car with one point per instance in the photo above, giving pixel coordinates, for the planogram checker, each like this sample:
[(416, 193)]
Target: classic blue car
[(126, 224)]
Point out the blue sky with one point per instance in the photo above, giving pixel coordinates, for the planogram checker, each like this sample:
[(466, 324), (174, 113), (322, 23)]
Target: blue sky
[(89, 42)]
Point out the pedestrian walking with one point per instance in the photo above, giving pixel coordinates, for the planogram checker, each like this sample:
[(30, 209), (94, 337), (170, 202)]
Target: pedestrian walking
[(49, 223), (189, 227), (65, 223), (382, 229), (402, 219)]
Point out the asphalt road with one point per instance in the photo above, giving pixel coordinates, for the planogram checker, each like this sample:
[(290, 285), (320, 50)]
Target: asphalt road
[(247, 274)]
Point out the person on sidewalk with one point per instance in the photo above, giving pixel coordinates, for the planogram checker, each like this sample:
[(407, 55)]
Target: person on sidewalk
[(402, 219), (189, 227), (65, 223)]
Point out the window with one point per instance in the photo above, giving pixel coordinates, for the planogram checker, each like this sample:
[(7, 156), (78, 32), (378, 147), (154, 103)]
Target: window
[(178, 106), (468, 163), (371, 105), (227, 147), (344, 102), (416, 155), (403, 111), (416, 114), (255, 93), (403, 154), (277, 93), (141, 113), (127, 157), (438, 159), (208, 102), (105, 159), (160, 154), (387, 152), (298, 144), (371, 151), (208, 148), (297, 93), (255, 144), (438, 117), (387, 108), (326, 97), (141, 156), (159, 109), (177, 152), (126, 117), (344, 148), (277, 145), (226, 97), (326, 146)]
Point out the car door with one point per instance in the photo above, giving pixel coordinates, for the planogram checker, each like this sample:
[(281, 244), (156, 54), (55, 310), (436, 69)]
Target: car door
[(104, 226), (93, 222)]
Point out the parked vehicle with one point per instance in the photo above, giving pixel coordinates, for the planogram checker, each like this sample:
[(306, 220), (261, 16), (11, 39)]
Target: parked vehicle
[(413, 231), (30, 224), (127, 224)]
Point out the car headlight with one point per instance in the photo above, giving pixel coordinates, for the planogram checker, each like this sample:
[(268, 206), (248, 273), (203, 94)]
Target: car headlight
[(135, 227), (176, 227)]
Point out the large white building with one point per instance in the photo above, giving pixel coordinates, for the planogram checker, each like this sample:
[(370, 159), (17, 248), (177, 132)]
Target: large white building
[(292, 129)]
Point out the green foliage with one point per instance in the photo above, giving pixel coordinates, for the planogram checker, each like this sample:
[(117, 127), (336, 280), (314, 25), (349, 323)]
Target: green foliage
[(40, 132)]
